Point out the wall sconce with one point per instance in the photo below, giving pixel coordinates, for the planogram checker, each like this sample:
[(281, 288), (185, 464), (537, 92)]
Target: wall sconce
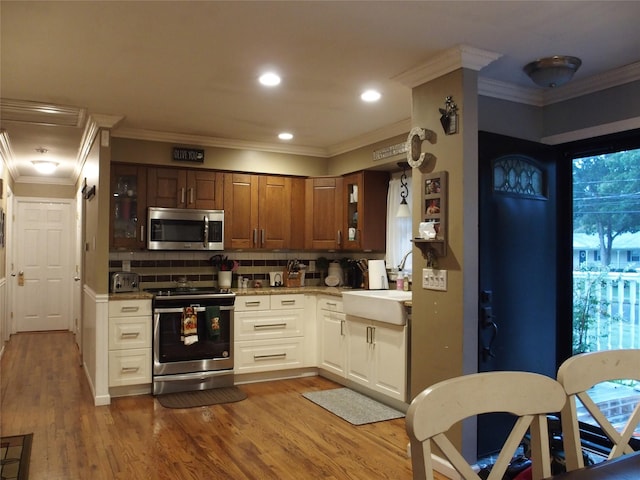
[(403, 210), (449, 116)]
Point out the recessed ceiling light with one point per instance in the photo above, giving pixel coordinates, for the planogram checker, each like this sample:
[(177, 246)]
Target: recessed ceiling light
[(370, 96), (270, 79), (285, 136)]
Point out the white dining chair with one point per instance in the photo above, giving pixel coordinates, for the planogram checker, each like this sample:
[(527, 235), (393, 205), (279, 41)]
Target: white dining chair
[(578, 375), (528, 396)]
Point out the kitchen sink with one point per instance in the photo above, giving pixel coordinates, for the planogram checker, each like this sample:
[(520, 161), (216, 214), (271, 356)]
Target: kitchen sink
[(381, 305)]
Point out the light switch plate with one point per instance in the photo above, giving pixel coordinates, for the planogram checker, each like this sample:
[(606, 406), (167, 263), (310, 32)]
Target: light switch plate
[(434, 279)]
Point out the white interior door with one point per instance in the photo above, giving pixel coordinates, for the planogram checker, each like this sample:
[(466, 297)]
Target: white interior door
[(44, 245)]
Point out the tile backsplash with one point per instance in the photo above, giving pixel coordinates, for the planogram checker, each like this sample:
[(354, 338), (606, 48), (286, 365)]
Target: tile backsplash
[(162, 269)]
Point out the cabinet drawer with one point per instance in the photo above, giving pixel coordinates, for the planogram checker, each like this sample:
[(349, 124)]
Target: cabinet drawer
[(333, 304), (129, 332), (284, 302), (268, 355), (129, 367), (252, 302), (129, 308), (268, 324)]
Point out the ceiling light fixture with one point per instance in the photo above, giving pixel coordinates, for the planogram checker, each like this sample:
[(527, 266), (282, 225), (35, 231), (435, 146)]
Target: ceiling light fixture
[(370, 96), (44, 166), (403, 210), (285, 136), (553, 71), (269, 79)]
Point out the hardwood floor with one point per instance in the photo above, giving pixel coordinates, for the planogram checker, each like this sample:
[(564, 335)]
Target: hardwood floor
[(274, 434)]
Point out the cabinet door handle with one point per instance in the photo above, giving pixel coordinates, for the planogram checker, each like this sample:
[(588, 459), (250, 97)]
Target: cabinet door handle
[(373, 335), (129, 369), (270, 325), (368, 333), (252, 304), (339, 237), (255, 236), (332, 304), (262, 237), (182, 195), (142, 233), (129, 309), (342, 328), (129, 334), (191, 195), (287, 302), (266, 357)]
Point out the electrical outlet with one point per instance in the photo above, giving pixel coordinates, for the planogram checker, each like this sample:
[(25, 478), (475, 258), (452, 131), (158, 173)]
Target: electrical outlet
[(434, 279), (312, 266)]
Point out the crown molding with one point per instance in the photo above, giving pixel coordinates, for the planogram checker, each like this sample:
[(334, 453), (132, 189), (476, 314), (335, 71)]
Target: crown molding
[(46, 180), (95, 122), (39, 113), (612, 78), (6, 152), (489, 87), (399, 128), (461, 56), (203, 141)]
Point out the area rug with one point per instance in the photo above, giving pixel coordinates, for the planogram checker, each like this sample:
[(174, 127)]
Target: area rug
[(353, 407), (15, 453), (201, 398)]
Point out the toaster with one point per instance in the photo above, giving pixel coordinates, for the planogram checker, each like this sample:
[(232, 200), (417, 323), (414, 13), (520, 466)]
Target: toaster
[(124, 282)]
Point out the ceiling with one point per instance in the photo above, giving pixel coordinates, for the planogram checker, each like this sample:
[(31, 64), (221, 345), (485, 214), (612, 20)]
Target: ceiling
[(186, 71)]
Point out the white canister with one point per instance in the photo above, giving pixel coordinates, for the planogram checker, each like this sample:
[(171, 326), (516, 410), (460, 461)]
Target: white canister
[(335, 270)]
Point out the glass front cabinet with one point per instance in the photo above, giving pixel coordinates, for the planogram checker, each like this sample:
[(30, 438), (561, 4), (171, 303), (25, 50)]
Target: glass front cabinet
[(128, 207), (364, 218)]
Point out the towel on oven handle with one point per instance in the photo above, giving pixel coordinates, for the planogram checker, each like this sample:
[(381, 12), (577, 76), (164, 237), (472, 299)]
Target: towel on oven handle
[(189, 326), (212, 314)]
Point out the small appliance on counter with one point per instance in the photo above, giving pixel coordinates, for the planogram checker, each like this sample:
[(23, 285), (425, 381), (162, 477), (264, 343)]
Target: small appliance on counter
[(378, 275), (124, 282)]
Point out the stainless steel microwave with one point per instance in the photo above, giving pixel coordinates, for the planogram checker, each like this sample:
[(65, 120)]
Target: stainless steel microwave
[(185, 229)]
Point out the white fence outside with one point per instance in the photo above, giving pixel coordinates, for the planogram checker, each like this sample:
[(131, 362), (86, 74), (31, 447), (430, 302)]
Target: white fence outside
[(617, 318)]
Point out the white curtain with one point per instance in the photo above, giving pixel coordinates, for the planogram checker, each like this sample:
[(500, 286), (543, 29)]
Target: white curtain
[(398, 229)]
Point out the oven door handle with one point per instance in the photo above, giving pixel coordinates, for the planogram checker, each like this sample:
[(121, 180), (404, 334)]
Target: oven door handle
[(181, 309)]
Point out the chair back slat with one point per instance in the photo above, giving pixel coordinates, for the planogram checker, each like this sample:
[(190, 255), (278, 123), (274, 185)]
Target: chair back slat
[(528, 396)]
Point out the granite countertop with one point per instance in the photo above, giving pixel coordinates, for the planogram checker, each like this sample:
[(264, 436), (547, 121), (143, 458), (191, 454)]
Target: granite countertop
[(317, 290)]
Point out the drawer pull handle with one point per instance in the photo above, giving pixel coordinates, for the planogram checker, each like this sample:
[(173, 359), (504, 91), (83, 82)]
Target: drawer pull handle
[(129, 334), (129, 369), (251, 304), (287, 302), (129, 309), (270, 325), (332, 304), (266, 357)]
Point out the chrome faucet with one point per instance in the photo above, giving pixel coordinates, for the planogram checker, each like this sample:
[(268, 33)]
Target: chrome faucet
[(404, 260)]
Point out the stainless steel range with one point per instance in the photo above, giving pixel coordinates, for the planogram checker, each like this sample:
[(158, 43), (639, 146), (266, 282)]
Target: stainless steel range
[(192, 339)]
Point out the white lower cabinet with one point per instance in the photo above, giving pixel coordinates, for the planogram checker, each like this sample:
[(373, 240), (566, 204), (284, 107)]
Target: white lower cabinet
[(129, 342), (332, 334), (269, 332), (377, 356)]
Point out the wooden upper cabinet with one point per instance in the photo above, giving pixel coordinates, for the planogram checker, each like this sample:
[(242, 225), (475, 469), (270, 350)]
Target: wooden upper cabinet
[(182, 188), (257, 211), (364, 203), (323, 213)]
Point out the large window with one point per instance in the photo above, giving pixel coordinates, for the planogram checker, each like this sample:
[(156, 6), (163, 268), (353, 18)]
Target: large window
[(606, 283)]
